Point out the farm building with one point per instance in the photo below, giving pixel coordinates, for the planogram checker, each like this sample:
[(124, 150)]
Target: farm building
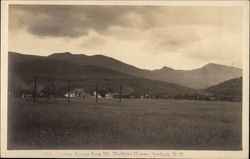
[(78, 92), (70, 94), (110, 95), (98, 95), (26, 95), (212, 98)]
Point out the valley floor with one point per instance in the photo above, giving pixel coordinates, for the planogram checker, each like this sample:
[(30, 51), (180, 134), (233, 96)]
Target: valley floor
[(131, 124)]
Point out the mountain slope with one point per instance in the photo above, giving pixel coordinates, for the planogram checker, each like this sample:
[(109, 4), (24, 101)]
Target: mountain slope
[(203, 77), (232, 87), (17, 57), (60, 69), (23, 73), (107, 62)]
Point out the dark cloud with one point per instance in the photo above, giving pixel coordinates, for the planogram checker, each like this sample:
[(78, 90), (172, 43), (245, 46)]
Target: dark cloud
[(190, 32), (70, 21), (79, 20)]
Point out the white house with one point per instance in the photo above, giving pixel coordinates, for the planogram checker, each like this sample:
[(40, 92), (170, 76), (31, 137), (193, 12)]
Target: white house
[(70, 94), (110, 95), (78, 92)]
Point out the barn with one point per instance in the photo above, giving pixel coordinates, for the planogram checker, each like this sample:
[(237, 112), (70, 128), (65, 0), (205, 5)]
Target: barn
[(110, 95), (78, 92)]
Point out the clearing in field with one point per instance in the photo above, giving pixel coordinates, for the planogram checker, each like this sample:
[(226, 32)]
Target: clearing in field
[(132, 124)]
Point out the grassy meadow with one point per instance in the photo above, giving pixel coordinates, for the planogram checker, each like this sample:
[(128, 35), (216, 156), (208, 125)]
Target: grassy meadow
[(132, 124)]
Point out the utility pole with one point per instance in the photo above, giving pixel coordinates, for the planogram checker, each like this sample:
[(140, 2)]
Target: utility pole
[(68, 90), (96, 93), (120, 96), (55, 92), (34, 90)]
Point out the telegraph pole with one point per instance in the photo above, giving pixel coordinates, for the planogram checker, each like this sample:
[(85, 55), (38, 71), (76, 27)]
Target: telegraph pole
[(120, 96), (34, 91)]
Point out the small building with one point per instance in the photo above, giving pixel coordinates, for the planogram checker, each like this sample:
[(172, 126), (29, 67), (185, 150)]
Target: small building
[(212, 98), (43, 93), (78, 92), (98, 95), (146, 96), (110, 95), (27, 95), (70, 94)]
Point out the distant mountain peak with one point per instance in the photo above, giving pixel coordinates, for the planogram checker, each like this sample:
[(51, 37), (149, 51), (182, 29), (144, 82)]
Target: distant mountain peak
[(69, 53), (65, 55), (60, 54), (212, 64), (166, 68), (216, 65), (100, 55)]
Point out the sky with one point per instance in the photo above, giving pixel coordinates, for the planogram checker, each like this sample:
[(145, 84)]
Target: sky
[(148, 37)]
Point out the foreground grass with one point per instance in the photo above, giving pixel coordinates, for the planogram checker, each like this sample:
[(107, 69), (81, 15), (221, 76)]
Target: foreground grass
[(132, 124)]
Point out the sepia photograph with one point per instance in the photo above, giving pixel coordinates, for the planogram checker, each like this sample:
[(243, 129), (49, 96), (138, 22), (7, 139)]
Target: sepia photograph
[(149, 80)]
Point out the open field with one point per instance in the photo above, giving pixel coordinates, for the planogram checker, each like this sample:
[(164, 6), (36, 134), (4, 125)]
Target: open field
[(132, 124)]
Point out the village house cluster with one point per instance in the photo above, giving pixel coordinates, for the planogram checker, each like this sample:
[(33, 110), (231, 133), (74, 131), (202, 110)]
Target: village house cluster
[(81, 93)]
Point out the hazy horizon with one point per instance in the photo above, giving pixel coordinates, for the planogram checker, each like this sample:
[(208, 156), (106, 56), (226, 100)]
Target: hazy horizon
[(147, 37)]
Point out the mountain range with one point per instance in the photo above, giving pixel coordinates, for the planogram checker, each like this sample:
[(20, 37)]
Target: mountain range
[(24, 68), (111, 73), (204, 77), (200, 78)]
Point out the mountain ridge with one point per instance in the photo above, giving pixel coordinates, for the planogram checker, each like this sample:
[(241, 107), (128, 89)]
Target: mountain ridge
[(22, 74), (203, 77), (231, 87), (101, 55)]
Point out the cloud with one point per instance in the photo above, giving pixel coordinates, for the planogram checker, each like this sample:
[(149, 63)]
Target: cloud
[(79, 20), (69, 21), (201, 33)]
